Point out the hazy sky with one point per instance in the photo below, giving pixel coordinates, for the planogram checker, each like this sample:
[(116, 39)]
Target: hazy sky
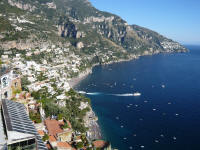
[(176, 19)]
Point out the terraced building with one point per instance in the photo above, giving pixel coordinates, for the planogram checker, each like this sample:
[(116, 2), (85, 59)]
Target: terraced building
[(16, 129)]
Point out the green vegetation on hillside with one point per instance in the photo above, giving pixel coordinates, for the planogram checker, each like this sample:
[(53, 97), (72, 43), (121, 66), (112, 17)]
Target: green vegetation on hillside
[(5, 8), (103, 34), (5, 25), (70, 111)]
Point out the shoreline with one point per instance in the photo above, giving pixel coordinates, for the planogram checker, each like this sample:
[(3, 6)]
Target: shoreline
[(95, 132), (91, 121), (82, 75), (73, 82), (76, 80), (95, 129)]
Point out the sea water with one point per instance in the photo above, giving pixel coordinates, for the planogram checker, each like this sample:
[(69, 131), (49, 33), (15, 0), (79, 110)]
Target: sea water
[(167, 114)]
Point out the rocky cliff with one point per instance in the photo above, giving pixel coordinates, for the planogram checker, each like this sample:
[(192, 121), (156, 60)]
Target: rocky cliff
[(99, 36)]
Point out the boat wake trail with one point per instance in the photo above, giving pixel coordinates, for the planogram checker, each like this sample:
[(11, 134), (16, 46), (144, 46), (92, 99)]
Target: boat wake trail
[(89, 93), (94, 93), (98, 93), (127, 94)]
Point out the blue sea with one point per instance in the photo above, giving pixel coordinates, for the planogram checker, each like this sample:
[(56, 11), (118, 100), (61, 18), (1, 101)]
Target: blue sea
[(167, 114)]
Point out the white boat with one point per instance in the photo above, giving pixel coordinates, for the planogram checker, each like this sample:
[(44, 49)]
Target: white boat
[(81, 92), (137, 94)]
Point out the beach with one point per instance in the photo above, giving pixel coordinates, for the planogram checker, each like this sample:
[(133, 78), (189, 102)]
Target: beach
[(76, 80)]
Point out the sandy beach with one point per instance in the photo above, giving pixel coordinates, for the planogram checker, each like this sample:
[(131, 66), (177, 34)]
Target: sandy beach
[(75, 81)]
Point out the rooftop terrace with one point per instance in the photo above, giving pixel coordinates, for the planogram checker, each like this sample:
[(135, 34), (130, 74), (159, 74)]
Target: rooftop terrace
[(18, 124), (2, 135)]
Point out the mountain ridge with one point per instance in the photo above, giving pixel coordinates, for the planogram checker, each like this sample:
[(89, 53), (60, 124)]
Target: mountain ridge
[(94, 36)]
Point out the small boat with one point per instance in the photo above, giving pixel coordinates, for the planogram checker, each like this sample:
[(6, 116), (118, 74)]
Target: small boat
[(156, 141), (81, 92), (137, 94)]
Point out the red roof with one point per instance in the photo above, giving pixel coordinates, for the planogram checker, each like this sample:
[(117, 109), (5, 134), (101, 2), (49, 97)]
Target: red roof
[(100, 144), (41, 132), (63, 145), (52, 138), (54, 127), (48, 146)]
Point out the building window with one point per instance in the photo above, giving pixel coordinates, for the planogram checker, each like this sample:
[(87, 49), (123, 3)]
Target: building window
[(16, 84), (5, 81), (24, 145), (6, 95)]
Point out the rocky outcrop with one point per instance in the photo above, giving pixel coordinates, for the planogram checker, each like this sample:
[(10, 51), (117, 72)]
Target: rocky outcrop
[(21, 5), (90, 120), (20, 45), (14, 44), (67, 30)]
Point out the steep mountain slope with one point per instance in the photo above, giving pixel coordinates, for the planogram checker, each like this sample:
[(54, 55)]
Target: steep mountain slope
[(92, 35)]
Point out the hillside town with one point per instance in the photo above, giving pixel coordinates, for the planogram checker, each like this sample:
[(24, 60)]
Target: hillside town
[(25, 123)]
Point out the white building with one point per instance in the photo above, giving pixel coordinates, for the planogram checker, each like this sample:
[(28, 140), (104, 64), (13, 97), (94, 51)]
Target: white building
[(9, 81)]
